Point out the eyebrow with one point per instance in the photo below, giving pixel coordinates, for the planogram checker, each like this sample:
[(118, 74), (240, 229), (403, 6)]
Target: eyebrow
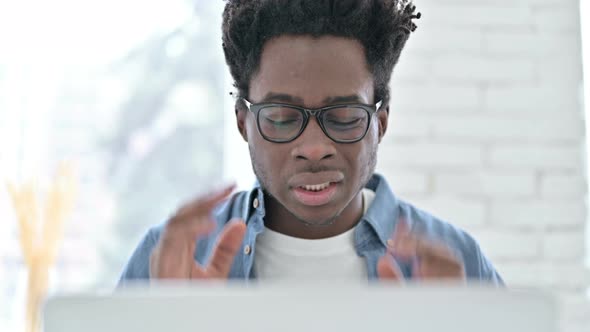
[(342, 99), (283, 97)]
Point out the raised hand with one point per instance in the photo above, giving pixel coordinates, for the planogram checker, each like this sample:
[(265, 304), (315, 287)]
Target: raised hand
[(172, 258), (430, 260)]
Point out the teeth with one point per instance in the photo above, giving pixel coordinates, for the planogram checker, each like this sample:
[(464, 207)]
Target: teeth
[(316, 187)]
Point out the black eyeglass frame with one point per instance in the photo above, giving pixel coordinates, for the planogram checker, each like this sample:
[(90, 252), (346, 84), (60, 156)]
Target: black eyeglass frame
[(307, 113)]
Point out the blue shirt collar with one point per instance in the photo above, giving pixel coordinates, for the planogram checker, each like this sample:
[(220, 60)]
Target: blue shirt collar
[(381, 216)]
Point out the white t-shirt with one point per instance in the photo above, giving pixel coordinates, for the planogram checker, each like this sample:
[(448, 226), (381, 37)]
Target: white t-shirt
[(283, 257)]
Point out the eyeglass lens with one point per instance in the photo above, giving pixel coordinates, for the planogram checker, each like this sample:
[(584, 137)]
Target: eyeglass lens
[(283, 123)]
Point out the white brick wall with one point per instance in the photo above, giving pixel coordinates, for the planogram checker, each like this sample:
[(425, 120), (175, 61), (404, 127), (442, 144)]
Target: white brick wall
[(562, 185), (487, 183), (564, 245), (487, 131), (538, 214), (536, 157), (464, 212), (432, 155), (540, 98)]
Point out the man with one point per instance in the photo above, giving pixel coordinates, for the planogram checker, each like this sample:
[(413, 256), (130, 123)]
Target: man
[(312, 79)]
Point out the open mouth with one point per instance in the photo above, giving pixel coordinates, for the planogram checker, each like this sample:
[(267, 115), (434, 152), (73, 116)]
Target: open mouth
[(316, 194), (315, 187)]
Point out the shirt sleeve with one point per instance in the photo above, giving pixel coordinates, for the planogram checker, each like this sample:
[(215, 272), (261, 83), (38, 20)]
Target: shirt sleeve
[(138, 266), (487, 271)]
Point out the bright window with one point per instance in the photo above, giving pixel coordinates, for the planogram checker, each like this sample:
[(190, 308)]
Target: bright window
[(133, 92)]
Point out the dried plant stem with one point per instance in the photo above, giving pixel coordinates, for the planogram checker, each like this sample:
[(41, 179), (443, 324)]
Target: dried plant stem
[(40, 236), (38, 283)]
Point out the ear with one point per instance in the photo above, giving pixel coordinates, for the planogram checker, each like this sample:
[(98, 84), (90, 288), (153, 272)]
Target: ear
[(241, 115), (382, 119)]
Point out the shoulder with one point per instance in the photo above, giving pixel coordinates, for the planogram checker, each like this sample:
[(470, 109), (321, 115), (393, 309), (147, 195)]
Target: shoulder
[(138, 265)]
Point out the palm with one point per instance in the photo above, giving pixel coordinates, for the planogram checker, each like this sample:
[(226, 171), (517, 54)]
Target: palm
[(173, 257)]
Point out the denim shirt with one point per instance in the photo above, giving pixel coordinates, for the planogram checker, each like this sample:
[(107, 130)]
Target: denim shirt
[(370, 236)]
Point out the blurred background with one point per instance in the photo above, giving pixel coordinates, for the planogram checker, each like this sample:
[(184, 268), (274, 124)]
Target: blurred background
[(487, 130)]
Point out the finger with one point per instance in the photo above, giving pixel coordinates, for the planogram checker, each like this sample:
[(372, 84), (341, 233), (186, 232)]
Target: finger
[(190, 230), (195, 219), (203, 205), (173, 256), (423, 249), (430, 250), (402, 227), (229, 242), (171, 259), (420, 247), (440, 270), (388, 269), (198, 272), (429, 258), (405, 247), (438, 261), (417, 272), (401, 230), (403, 240)]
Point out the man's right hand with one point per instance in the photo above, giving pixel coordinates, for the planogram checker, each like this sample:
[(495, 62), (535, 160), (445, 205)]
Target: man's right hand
[(173, 256)]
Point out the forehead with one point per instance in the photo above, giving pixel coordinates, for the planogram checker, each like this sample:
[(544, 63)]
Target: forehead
[(312, 69)]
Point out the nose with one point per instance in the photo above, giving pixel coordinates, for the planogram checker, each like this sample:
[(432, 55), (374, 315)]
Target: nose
[(313, 144)]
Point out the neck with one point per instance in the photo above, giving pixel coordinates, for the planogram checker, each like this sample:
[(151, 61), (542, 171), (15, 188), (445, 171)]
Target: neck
[(279, 219)]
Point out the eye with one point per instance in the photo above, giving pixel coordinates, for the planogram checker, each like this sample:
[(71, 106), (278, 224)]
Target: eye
[(343, 125), (280, 116), (345, 118), (344, 122), (280, 121)]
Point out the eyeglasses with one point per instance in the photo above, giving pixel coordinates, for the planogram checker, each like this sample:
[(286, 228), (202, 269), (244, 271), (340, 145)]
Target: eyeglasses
[(283, 123)]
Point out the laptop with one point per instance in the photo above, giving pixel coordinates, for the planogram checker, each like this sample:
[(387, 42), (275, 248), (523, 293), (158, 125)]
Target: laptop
[(302, 307)]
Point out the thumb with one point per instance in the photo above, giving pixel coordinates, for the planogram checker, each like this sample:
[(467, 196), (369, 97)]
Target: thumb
[(228, 244), (388, 269)]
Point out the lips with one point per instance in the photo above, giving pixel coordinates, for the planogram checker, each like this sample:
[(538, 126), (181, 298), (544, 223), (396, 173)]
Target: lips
[(315, 180), (316, 198), (315, 189)]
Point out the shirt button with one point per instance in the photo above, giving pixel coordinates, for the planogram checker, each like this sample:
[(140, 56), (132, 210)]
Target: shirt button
[(247, 250), (390, 243), (255, 203)]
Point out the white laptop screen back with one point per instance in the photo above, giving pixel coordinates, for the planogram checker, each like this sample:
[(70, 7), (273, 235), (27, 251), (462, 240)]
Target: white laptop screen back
[(303, 308)]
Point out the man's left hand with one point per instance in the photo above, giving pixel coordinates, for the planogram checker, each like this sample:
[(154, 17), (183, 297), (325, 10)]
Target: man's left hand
[(429, 260)]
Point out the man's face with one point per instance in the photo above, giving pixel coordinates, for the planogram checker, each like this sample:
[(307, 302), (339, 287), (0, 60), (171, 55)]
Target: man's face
[(313, 177)]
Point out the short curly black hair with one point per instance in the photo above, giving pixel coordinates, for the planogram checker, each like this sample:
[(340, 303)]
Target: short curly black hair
[(381, 26)]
